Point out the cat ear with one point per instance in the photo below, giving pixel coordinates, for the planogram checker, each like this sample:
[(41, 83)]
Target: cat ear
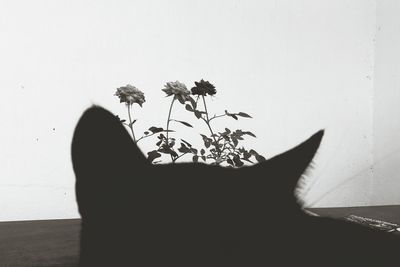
[(104, 157), (291, 165), (100, 134)]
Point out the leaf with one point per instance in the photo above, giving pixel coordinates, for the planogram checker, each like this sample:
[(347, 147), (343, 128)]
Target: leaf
[(168, 150), (230, 162), (202, 151), (242, 114), (171, 144), (152, 155), (260, 158), (164, 150), (197, 114), (239, 132), (146, 132), (174, 154), (250, 133), (253, 152), (206, 140), (224, 133), (155, 129), (203, 158), (246, 155), (248, 160), (184, 123), (242, 150), (237, 161), (239, 138), (194, 104), (189, 108), (181, 99), (118, 118), (187, 143), (235, 141), (207, 144), (195, 158), (183, 148), (233, 116)]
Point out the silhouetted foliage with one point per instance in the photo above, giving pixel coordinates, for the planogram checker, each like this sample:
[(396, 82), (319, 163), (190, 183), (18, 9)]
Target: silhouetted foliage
[(220, 148)]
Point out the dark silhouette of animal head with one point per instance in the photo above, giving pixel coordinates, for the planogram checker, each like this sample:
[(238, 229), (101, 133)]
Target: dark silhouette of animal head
[(138, 214)]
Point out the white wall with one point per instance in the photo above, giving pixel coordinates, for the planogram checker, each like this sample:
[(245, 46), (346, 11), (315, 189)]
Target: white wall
[(296, 66), (386, 185)]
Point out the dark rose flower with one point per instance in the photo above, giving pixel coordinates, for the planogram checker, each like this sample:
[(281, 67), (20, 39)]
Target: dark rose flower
[(203, 88), (129, 94), (178, 90)]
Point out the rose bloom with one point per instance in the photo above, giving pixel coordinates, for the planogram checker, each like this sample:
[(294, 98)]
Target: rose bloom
[(129, 94), (178, 90), (203, 88)]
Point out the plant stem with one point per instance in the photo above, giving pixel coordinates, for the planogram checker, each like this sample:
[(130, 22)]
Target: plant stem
[(145, 136), (168, 121), (169, 116), (179, 157), (130, 122), (209, 126), (219, 116)]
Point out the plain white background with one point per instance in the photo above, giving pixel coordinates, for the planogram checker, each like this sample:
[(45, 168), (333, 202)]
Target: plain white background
[(295, 66)]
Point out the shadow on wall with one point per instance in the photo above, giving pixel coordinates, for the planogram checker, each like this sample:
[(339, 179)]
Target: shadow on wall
[(138, 214)]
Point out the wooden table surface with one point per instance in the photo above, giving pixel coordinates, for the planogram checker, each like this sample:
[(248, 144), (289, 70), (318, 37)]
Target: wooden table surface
[(39, 243), (383, 213), (56, 242)]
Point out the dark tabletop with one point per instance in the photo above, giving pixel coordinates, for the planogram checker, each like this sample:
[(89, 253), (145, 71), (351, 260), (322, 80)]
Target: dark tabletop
[(56, 242)]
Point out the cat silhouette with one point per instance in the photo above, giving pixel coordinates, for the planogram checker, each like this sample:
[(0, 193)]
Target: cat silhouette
[(192, 214)]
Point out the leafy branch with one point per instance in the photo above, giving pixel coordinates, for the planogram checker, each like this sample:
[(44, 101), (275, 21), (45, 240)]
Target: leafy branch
[(221, 148)]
